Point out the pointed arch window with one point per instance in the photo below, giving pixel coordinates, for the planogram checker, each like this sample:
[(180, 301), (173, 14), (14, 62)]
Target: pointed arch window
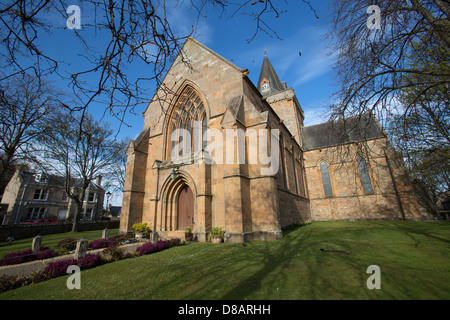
[(328, 190), (283, 163), (204, 137), (364, 175), (185, 133)]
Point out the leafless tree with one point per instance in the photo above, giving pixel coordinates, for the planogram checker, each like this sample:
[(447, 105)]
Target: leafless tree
[(26, 103), (79, 154), (115, 177), (375, 66), (132, 32), (393, 61)]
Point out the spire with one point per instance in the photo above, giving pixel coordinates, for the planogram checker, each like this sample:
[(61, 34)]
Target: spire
[(268, 82)]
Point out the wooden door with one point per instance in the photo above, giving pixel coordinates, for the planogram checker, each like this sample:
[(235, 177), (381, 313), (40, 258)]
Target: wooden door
[(185, 208)]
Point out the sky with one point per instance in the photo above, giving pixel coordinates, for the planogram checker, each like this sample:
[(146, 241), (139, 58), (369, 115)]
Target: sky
[(300, 57)]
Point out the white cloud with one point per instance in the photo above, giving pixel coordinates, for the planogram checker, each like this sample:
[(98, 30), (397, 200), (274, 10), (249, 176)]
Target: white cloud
[(184, 18), (314, 115)]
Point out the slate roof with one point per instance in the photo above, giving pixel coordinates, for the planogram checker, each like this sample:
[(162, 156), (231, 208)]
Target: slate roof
[(332, 133), (51, 180), (268, 72)]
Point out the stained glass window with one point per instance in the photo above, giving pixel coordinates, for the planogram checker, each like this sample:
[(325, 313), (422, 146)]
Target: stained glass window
[(364, 175), (326, 179)]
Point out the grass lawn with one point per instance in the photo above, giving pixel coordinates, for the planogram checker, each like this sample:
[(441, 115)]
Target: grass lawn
[(52, 240), (413, 257)]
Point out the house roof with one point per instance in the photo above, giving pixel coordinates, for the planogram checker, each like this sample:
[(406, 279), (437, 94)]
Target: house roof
[(52, 180), (332, 133)]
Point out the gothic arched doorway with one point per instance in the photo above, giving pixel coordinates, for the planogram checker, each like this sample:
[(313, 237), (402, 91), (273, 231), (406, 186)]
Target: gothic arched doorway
[(185, 216)]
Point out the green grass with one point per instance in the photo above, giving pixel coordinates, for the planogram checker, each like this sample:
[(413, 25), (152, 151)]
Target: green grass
[(52, 240), (413, 257)]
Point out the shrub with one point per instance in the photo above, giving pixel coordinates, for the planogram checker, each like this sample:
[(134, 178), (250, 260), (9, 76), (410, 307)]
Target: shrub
[(68, 244), (216, 232), (18, 257), (8, 283), (113, 253), (28, 255), (141, 228), (100, 243), (173, 243), (89, 261), (45, 253), (36, 277), (152, 247), (59, 268), (122, 238)]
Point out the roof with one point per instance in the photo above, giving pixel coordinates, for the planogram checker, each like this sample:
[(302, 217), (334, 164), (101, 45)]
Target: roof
[(115, 211), (332, 133), (182, 53), (52, 180), (268, 74)]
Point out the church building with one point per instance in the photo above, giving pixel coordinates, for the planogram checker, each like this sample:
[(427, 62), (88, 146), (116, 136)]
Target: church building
[(217, 150)]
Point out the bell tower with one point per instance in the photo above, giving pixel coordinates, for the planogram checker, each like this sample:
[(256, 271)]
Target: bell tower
[(281, 98)]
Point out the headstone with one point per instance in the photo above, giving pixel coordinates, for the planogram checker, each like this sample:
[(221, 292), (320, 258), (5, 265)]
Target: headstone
[(36, 243), (155, 237), (81, 249), (105, 233)]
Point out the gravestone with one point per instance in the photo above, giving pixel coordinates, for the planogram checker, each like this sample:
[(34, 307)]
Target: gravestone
[(82, 246), (105, 234), (155, 237), (36, 243)]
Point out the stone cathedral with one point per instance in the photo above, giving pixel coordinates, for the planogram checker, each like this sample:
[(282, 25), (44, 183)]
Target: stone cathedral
[(217, 150)]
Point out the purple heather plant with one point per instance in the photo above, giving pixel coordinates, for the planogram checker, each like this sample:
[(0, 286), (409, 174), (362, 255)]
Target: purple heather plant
[(100, 243), (89, 261), (23, 256), (152, 247), (59, 268)]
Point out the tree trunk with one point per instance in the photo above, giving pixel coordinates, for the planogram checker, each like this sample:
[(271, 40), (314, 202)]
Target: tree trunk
[(76, 217)]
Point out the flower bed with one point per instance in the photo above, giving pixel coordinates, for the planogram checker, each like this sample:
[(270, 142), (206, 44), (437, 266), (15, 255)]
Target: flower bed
[(99, 244), (28, 255), (59, 268)]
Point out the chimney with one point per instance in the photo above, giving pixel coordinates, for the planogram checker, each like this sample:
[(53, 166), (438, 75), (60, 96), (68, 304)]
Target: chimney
[(98, 180)]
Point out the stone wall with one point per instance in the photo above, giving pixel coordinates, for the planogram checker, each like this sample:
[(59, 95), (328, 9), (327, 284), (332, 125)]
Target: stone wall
[(293, 208), (392, 196)]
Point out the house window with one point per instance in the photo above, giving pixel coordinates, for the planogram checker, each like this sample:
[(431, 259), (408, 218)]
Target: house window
[(91, 196), (364, 175), (40, 194), (326, 179), (35, 214), (88, 214)]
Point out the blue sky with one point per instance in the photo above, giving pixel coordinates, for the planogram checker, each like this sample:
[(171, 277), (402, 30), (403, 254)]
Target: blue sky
[(310, 75)]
